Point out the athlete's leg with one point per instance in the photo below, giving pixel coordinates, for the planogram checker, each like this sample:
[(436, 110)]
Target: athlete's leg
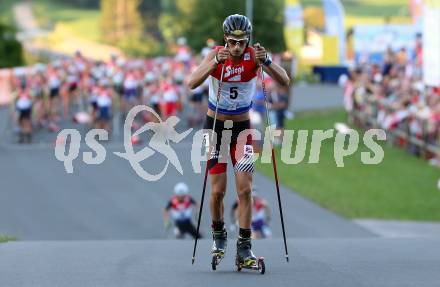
[(243, 167), (217, 171), (218, 187), (242, 159), (191, 229), (180, 226), (266, 232), (257, 231), (219, 234), (243, 181)]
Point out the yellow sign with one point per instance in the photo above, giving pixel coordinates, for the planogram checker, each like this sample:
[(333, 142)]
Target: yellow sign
[(330, 47), (293, 26)]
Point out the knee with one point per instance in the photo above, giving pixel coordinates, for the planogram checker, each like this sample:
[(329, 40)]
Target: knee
[(218, 191), (244, 192)]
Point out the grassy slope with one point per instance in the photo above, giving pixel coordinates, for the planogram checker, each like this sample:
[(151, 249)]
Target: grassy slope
[(370, 11), (401, 187), (82, 23)]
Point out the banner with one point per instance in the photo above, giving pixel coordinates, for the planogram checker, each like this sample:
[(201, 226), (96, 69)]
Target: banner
[(293, 26), (431, 43), (371, 41), (334, 24)]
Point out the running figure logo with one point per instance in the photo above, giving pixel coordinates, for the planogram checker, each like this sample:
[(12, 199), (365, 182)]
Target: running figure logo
[(164, 132)]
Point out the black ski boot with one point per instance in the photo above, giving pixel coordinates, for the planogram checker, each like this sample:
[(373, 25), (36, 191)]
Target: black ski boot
[(218, 247), (245, 258)]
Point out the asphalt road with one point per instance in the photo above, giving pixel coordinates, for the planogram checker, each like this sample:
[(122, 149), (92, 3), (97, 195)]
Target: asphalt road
[(102, 226), (314, 262), (40, 201), (315, 97)]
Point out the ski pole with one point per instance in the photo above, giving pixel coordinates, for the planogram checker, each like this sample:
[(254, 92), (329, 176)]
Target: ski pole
[(274, 164), (207, 163)]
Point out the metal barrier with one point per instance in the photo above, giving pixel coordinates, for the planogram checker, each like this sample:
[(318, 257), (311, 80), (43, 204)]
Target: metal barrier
[(425, 144)]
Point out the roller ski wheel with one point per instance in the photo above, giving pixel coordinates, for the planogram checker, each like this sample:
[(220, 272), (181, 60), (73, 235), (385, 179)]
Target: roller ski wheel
[(238, 265), (261, 265), (214, 263), (257, 265), (216, 259)]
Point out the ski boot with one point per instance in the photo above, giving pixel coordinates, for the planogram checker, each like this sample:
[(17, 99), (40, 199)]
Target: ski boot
[(246, 259), (218, 247)]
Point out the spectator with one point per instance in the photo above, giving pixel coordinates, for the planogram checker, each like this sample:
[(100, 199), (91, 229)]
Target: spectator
[(392, 96)]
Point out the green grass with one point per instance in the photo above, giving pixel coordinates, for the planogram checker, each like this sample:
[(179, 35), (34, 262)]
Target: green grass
[(370, 11), (82, 23), (367, 8), (387, 8), (5, 238), (402, 187)]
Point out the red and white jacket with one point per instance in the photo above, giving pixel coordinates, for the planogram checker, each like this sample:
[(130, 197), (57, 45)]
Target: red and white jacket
[(238, 86), (180, 210)]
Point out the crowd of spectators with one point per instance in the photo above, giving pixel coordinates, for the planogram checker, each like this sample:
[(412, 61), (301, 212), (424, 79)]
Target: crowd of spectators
[(94, 92), (391, 95)]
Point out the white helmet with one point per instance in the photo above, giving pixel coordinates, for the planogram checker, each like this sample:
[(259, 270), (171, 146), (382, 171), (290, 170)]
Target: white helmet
[(181, 41), (149, 77), (181, 189)]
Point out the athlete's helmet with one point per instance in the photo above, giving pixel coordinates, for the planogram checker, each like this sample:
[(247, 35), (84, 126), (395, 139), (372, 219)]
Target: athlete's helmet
[(149, 77), (181, 189), (237, 25)]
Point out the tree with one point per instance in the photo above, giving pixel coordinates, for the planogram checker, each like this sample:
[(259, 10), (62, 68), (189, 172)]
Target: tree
[(107, 23), (11, 51), (150, 11), (206, 20), (121, 25), (268, 24), (81, 3), (207, 16)]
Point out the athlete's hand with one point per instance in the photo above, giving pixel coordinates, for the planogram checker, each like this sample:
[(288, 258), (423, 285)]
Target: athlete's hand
[(222, 55), (260, 53)]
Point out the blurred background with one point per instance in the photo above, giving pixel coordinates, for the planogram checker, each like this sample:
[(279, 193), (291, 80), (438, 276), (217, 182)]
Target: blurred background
[(84, 63)]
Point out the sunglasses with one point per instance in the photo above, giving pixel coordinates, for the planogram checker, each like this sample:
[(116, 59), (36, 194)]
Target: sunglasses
[(234, 42)]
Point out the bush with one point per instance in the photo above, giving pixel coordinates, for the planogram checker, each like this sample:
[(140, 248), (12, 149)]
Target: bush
[(11, 51)]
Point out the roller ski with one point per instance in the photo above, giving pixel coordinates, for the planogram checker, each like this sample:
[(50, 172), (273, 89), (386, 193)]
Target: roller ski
[(245, 258), (218, 247)]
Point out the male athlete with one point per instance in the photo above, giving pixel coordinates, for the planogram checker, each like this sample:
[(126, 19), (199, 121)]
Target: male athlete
[(179, 207), (261, 216), (240, 75)]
